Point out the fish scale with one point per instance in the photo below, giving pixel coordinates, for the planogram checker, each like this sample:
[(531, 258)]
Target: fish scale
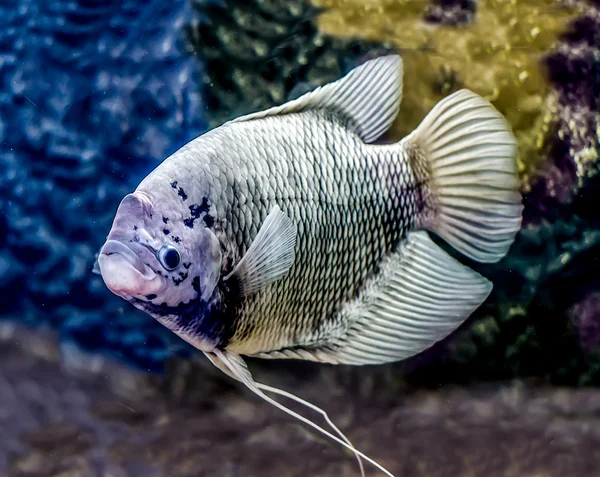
[(342, 236)]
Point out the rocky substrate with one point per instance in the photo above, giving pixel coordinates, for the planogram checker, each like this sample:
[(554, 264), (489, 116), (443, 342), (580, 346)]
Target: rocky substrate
[(70, 415)]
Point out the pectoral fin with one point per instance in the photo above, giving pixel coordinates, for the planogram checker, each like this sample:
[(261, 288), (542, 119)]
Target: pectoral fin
[(270, 256)]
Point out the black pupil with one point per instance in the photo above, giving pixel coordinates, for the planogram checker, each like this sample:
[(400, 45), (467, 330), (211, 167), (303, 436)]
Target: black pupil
[(171, 258)]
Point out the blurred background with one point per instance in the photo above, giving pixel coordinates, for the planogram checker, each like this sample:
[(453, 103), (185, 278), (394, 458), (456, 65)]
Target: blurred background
[(95, 93)]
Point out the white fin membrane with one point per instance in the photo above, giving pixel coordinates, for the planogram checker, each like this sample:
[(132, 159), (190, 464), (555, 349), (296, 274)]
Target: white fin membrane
[(269, 257), (233, 365), (475, 191), (420, 295), (368, 98)]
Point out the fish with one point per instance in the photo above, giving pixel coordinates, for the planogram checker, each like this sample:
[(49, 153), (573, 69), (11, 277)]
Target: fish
[(297, 233)]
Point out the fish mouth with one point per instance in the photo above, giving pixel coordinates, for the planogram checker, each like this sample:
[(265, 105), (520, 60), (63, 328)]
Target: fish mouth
[(112, 247), (123, 271)]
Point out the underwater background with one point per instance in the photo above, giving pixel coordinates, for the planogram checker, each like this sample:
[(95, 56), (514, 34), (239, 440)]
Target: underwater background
[(95, 93)]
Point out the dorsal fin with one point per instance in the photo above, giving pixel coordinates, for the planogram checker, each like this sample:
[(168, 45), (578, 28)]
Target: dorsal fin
[(367, 98)]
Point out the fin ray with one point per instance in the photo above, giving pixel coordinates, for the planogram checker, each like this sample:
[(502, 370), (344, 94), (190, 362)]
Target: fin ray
[(352, 98), (233, 365), (409, 306), (269, 257), (471, 154)]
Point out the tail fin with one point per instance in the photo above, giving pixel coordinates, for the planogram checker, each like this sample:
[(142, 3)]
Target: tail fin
[(471, 158)]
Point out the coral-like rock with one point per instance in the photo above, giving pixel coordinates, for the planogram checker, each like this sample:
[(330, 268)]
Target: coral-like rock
[(450, 12), (573, 144), (258, 54), (496, 55)]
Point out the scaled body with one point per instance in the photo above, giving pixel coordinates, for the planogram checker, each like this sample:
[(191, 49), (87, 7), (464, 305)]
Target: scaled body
[(350, 203), (288, 234), (280, 225)]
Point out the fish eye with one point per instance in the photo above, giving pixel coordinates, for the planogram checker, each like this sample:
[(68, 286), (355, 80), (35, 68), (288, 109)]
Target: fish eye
[(169, 257)]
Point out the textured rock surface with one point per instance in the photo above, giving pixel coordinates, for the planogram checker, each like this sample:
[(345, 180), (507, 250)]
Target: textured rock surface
[(572, 148), (120, 423), (94, 93), (259, 53), (450, 12)]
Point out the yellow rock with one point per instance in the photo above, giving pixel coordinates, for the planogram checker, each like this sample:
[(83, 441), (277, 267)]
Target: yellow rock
[(499, 56)]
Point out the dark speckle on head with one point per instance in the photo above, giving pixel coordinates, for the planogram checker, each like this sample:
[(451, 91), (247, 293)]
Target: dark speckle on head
[(180, 192), (178, 281), (175, 239), (196, 210), (152, 296), (209, 220), (196, 284), (166, 231), (165, 219), (187, 265), (135, 227)]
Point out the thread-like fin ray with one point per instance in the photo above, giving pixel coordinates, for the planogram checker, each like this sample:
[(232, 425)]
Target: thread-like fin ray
[(420, 296), (367, 98), (237, 368), (269, 257), (214, 359)]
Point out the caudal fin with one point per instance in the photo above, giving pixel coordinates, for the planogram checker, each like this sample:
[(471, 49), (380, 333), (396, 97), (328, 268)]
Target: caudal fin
[(470, 157)]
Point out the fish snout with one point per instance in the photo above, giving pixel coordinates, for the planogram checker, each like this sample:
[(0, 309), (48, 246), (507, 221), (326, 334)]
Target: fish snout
[(124, 272)]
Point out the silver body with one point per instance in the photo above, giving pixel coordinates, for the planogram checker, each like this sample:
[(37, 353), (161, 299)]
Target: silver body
[(351, 203), (288, 234)]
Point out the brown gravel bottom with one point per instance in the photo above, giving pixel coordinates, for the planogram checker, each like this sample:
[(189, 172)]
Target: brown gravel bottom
[(83, 416)]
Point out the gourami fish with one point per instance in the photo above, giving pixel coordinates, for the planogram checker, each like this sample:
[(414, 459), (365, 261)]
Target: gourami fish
[(288, 234)]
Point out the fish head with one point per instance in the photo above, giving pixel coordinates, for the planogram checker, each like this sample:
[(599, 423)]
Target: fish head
[(162, 267)]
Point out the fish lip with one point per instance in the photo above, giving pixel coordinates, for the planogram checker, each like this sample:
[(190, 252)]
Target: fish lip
[(112, 247)]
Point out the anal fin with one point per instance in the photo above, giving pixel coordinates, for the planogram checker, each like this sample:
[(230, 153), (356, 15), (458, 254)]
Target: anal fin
[(420, 295)]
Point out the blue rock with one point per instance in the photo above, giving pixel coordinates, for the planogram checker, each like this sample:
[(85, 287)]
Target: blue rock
[(93, 94)]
